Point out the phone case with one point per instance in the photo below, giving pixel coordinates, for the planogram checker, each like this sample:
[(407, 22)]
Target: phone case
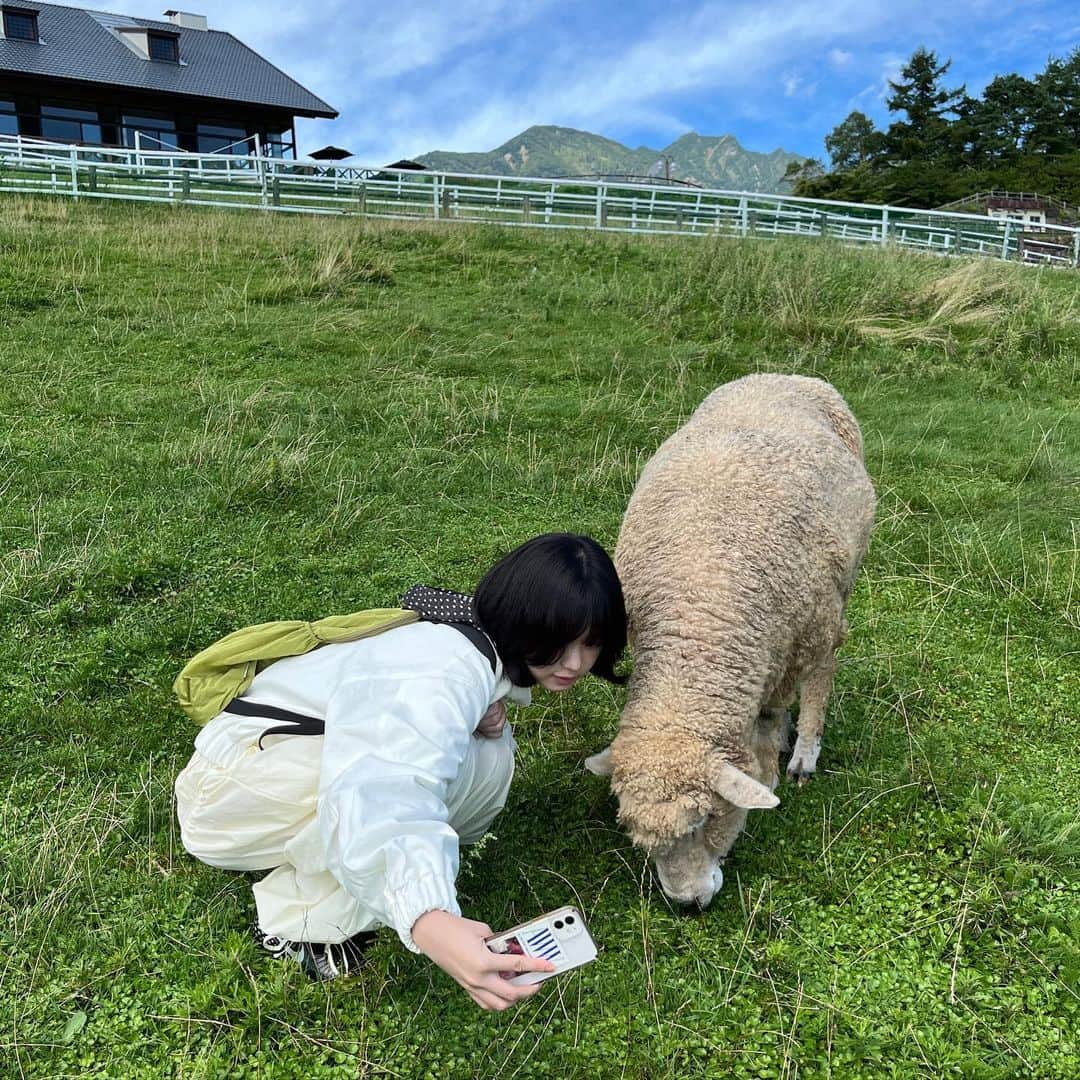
[(560, 936)]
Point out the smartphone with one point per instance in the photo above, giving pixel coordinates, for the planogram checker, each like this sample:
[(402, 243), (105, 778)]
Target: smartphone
[(560, 936)]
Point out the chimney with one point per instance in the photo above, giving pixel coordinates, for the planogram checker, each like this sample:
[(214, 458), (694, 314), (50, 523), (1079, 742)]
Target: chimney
[(186, 20)]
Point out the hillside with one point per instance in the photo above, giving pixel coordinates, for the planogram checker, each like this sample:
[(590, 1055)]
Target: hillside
[(213, 419), (544, 150)]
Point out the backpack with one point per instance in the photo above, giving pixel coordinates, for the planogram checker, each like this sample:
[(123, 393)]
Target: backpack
[(212, 678)]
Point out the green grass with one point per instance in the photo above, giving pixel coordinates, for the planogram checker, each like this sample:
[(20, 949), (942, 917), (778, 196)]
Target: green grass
[(211, 420)]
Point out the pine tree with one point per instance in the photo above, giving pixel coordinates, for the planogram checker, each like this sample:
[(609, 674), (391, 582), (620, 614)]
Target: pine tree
[(924, 136), (855, 141), (1020, 135), (1055, 121), (995, 129)]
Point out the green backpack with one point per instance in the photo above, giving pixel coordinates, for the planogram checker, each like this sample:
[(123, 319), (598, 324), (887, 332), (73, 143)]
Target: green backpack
[(224, 670)]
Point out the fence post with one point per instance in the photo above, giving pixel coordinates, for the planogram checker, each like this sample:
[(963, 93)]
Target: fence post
[(363, 199), (743, 219), (185, 186), (447, 195), (884, 226), (1005, 239), (601, 209), (1076, 248), (526, 209), (434, 196), (74, 173), (91, 178), (275, 190), (260, 167)]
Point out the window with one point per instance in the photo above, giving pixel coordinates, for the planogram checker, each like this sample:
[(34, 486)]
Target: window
[(163, 47), (9, 121), (277, 144), (65, 123), (157, 132), (215, 138), (20, 24)]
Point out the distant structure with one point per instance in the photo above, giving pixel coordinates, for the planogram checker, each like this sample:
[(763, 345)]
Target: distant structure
[(1024, 209), (1027, 209), (631, 178), (78, 76), (1032, 215), (405, 163)]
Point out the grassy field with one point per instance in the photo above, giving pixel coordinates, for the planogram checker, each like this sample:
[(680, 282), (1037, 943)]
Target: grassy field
[(211, 420)]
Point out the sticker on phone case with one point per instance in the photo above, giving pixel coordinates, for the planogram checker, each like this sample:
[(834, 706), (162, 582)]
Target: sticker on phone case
[(539, 942)]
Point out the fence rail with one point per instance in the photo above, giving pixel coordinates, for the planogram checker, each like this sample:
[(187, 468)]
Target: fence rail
[(280, 186)]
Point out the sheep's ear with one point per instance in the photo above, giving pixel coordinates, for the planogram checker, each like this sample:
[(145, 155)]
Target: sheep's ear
[(738, 788), (600, 764)]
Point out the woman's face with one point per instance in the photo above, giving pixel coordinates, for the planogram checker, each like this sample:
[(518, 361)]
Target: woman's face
[(574, 661)]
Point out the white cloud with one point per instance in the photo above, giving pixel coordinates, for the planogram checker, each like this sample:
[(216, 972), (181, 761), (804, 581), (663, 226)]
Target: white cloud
[(468, 74), (502, 83), (877, 91)]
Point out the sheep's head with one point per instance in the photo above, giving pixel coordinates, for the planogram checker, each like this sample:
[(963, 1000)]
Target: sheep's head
[(681, 802)]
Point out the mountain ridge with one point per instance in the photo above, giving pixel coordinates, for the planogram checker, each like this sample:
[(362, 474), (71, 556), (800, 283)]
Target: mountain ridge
[(556, 150)]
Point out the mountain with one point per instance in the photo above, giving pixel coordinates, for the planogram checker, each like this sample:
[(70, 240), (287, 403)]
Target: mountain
[(546, 150)]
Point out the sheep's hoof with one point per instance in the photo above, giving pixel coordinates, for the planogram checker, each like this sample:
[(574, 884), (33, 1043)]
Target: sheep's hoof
[(803, 760), (800, 775)]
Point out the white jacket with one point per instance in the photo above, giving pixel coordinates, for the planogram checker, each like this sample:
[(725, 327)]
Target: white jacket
[(400, 710)]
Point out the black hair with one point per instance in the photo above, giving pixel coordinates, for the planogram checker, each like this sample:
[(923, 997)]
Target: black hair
[(545, 595)]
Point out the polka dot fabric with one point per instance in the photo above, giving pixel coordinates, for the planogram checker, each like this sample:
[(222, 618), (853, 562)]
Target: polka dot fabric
[(439, 605)]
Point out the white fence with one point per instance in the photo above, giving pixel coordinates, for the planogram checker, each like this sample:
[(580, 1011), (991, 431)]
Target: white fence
[(280, 186)]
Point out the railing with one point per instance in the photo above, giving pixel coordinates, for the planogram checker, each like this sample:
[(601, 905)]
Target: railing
[(281, 186), (980, 197)]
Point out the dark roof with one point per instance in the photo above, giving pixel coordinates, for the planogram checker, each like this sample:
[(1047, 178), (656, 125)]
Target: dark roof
[(330, 153), (1017, 202), (85, 46)]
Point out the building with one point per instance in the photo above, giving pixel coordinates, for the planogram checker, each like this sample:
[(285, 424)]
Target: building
[(78, 76), (1027, 210)]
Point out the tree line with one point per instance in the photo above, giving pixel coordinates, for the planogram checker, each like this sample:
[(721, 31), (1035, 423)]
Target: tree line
[(1019, 135)]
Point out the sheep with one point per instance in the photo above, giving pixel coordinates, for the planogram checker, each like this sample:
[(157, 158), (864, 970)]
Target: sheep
[(737, 554)]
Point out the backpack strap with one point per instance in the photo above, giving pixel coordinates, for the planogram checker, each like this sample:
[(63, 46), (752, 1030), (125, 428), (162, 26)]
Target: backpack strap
[(294, 723), (478, 638), (449, 608)]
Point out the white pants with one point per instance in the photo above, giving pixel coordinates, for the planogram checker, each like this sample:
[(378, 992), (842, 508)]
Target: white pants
[(255, 810)]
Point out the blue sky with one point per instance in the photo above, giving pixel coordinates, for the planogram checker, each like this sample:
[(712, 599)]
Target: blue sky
[(421, 75)]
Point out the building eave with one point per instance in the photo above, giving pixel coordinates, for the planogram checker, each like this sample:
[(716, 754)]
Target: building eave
[(168, 95)]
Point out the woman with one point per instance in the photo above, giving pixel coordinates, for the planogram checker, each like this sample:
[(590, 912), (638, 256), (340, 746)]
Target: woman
[(360, 825)]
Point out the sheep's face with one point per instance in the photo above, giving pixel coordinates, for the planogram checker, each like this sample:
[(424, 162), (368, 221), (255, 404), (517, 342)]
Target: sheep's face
[(686, 811)]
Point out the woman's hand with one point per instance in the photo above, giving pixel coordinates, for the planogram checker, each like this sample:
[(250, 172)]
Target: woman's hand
[(457, 946), (493, 721)]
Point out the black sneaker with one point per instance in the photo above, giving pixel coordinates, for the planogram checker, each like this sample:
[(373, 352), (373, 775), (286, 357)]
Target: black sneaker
[(317, 960)]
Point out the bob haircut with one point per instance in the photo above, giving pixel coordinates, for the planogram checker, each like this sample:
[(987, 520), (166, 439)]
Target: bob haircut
[(545, 595)]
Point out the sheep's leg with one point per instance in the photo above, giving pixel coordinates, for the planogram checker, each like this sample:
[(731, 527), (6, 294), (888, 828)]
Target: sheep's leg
[(781, 719), (813, 695), (770, 737)]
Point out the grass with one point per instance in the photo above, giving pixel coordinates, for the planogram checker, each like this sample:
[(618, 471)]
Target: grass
[(214, 419)]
